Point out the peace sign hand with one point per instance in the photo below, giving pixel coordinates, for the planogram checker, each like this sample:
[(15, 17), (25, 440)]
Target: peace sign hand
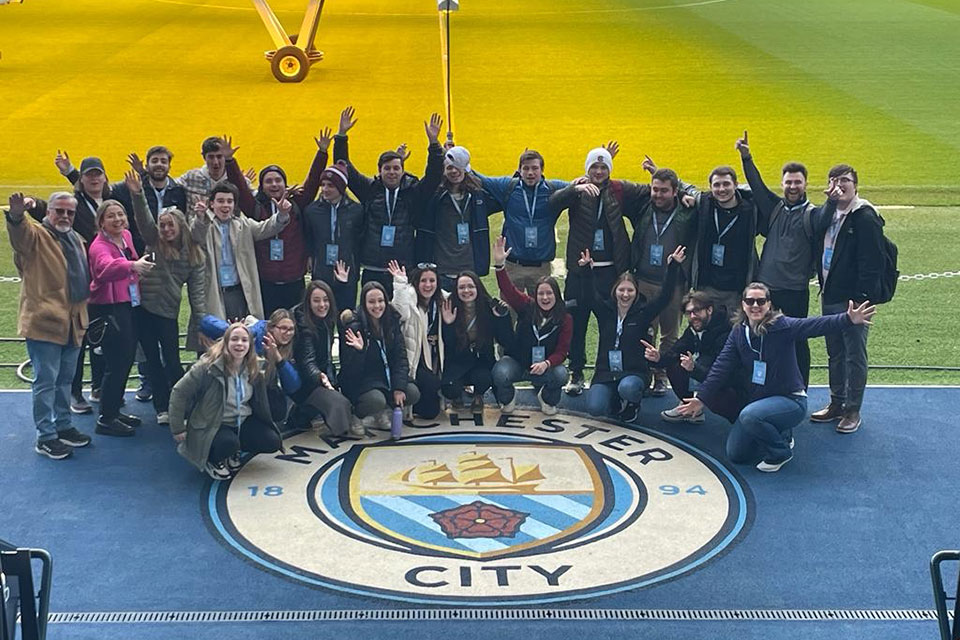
[(679, 255), (613, 148), (585, 258), (62, 160), (354, 339)]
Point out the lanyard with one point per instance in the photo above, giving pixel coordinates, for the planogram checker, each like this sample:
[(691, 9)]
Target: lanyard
[(716, 223), (431, 314), (92, 203), (466, 203), (225, 246), (383, 356), (536, 332), (391, 206), (616, 343), (656, 227), (746, 334), (238, 389), (333, 221), (159, 193), (531, 209), (472, 322)]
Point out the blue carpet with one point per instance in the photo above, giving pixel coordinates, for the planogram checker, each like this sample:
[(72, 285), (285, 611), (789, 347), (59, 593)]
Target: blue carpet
[(850, 523)]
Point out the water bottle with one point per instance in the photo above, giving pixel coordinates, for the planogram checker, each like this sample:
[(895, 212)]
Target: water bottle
[(396, 422)]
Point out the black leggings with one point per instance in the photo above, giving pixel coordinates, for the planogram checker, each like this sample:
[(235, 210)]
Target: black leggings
[(255, 436), (119, 348), (428, 383), (159, 335)]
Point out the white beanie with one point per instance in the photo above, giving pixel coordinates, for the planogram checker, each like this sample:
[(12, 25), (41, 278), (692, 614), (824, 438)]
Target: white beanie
[(458, 157), (599, 155)]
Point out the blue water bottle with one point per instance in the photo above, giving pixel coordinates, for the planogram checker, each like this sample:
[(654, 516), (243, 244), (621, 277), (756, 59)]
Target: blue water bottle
[(396, 422)]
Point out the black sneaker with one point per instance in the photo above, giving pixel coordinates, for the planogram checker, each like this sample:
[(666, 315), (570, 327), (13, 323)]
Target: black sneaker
[(53, 449), (130, 421), (659, 388), (73, 438), (143, 394), (217, 471), (234, 462), (113, 428), (629, 413), (80, 406), (575, 387)]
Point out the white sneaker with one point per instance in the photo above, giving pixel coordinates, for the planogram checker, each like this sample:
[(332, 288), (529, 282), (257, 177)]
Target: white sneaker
[(217, 471), (674, 415), (772, 467), (546, 409), (163, 417), (382, 419), (356, 427), (510, 407)]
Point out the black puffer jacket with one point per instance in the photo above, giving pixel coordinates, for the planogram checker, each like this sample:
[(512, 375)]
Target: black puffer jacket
[(412, 197), (363, 370), (311, 349)]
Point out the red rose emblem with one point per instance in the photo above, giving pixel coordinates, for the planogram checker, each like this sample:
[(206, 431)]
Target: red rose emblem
[(479, 520)]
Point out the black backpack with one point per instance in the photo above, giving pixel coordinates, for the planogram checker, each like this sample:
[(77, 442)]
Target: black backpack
[(889, 274)]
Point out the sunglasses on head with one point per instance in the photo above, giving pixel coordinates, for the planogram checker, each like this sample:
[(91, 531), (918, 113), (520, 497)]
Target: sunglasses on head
[(758, 302), (426, 265)]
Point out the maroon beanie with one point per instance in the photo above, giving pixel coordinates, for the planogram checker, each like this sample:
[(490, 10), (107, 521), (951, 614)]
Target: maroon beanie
[(337, 174)]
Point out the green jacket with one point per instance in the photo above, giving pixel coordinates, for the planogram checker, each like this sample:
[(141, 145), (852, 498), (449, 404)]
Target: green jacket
[(196, 406)]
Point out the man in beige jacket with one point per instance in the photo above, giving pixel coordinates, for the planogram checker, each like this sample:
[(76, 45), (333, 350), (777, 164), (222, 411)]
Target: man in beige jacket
[(52, 262)]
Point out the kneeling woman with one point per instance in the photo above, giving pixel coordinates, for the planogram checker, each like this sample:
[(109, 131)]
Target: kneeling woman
[(220, 407), (375, 373), (542, 340), (418, 301), (760, 348), (621, 372), (472, 323)]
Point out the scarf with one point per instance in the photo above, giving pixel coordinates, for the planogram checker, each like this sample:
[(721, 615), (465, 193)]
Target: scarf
[(78, 272)]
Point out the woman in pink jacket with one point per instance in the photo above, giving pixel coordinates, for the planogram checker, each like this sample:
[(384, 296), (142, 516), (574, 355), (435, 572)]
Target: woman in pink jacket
[(114, 290)]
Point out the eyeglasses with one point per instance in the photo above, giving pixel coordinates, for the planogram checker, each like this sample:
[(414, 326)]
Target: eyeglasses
[(60, 211), (693, 310), (426, 265), (755, 302)]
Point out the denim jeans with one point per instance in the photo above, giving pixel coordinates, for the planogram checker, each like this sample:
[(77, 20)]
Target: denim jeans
[(764, 429), (508, 371), (847, 361), (53, 369), (601, 395)]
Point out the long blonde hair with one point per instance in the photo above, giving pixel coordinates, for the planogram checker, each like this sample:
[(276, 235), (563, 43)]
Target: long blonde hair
[(171, 250), (218, 352), (769, 318)]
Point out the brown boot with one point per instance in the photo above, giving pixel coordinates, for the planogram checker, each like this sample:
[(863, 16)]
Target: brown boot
[(850, 422), (829, 413)]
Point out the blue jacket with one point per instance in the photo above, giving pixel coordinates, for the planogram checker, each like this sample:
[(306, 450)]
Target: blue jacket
[(214, 328), (783, 378), (512, 195), (480, 207)]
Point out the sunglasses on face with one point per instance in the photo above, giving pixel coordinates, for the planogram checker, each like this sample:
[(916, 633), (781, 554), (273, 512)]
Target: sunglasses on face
[(755, 302), (64, 212)]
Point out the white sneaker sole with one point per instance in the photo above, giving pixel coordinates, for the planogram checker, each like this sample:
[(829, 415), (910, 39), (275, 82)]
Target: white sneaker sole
[(766, 467), (47, 454)]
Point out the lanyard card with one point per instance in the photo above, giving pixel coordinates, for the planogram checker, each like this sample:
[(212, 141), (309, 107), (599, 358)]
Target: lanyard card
[(656, 255), (538, 354), (827, 258), (387, 235), (134, 294), (333, 254), (530, 237), (276, 249), (598, 240), (759, 372), (463, 233), (716, 254), (227, 278), (615, 359)]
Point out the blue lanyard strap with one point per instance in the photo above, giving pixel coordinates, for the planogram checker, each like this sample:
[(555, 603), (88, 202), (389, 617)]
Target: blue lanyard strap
[(383, 356), (716, 223), (656, 227), (616, 342), (746, 334), (531, 209)]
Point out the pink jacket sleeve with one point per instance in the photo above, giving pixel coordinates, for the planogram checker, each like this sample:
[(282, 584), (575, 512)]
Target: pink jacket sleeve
[(105, 266)]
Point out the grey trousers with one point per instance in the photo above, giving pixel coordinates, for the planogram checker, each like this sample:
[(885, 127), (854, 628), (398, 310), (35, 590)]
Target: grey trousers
[(333, 406), (846, 361), (372, 402)]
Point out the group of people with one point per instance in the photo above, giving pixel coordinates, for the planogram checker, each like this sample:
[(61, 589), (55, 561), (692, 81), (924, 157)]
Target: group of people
[(424, 330)]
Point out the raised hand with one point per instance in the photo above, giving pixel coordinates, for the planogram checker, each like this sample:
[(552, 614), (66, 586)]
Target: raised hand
[(648, 165), (323, 142), (585, 259), (686, 361), (650, 352), (404, 152), (500, 251), (347, 121), (228, 149), (293, 191), (200, 207), (743, 146), (250, 174), (354, 339), (18, 205), (136, 163), (341, 271), (62, 160), (270, 350), (613, 148), (396, 270), (142, 265), (589, 188), (448, 312), (580, 180), (861, 314), (132, 180), (539, 368), (283, 205), (679, 255), (433, 128)]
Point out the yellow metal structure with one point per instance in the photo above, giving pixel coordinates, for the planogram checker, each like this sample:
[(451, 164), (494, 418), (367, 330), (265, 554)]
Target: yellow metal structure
[(294, 54)]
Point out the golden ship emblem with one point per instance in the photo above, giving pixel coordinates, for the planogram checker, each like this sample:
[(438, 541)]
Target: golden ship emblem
[(475, 472)]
